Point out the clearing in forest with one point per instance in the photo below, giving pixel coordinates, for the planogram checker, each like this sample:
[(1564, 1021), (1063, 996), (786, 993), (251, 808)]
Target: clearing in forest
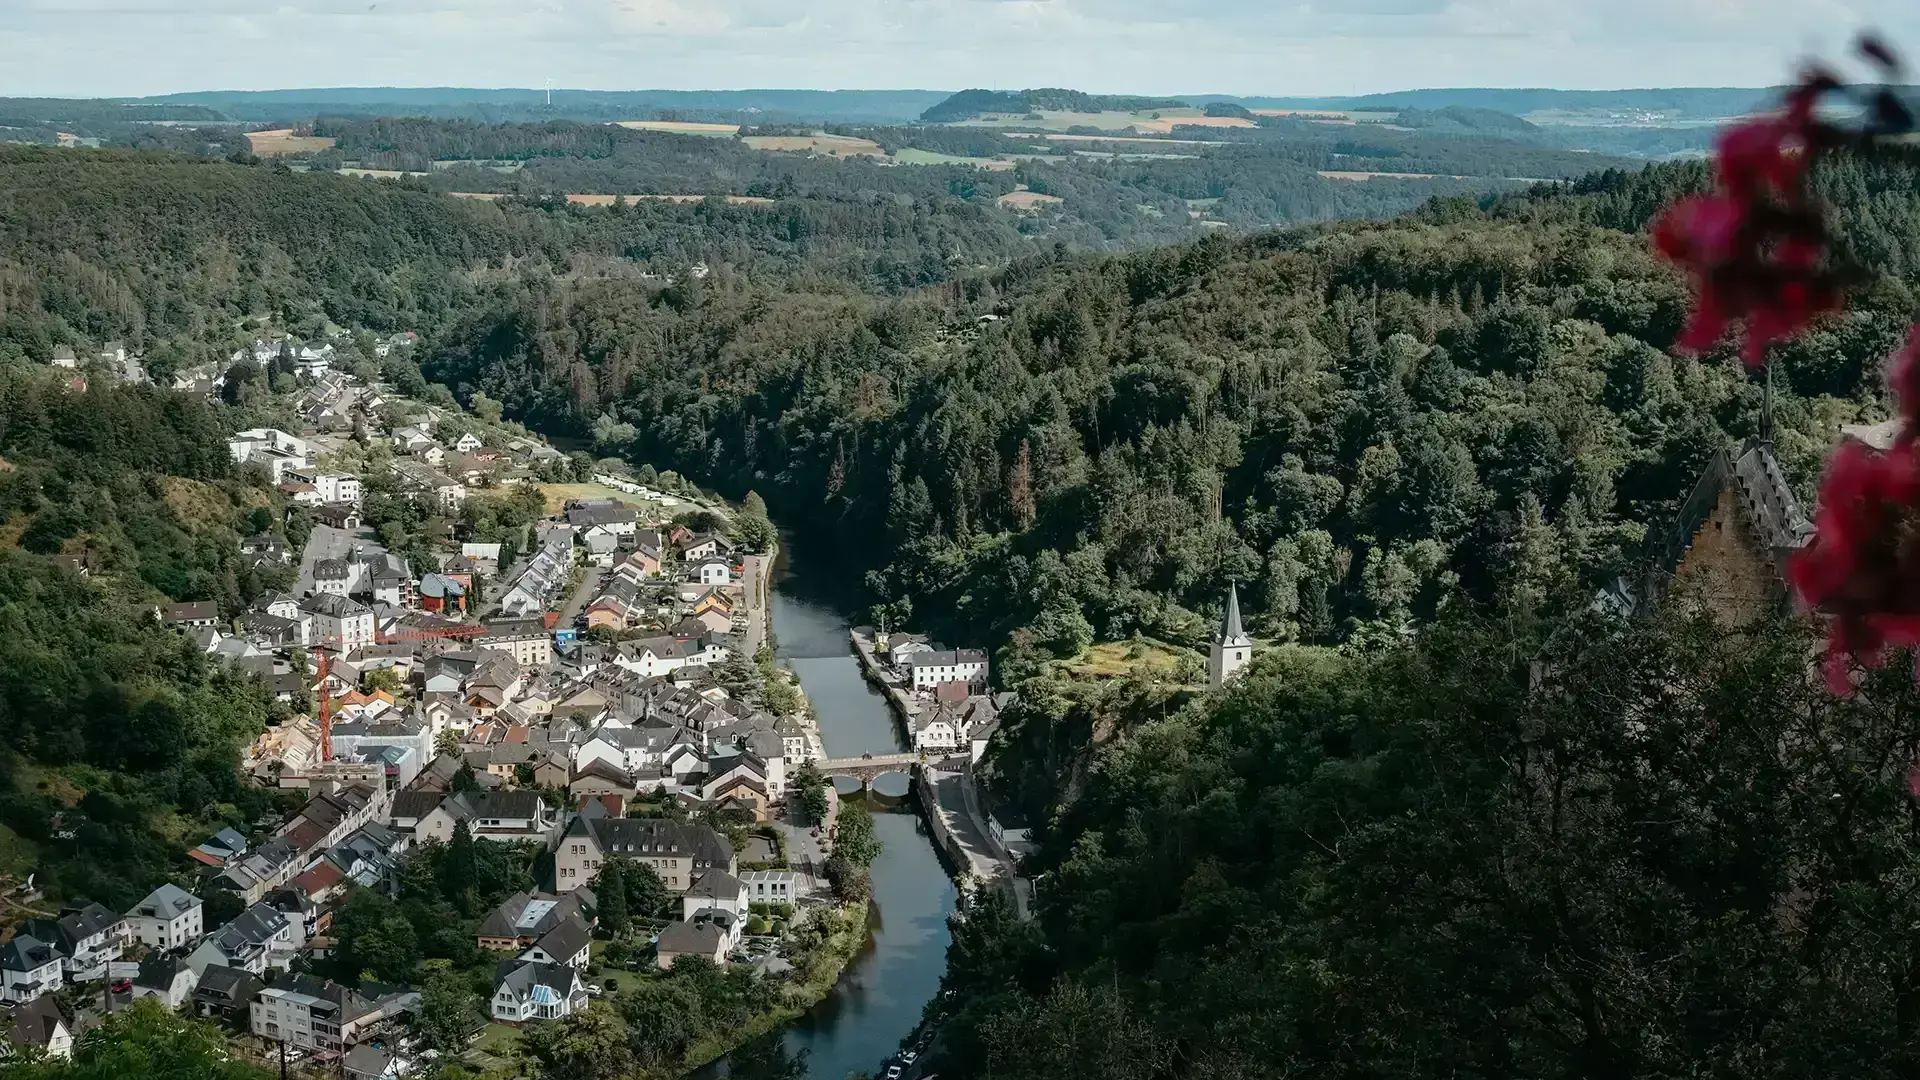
[(283, 141), (1022, 199), (821, 144), (683, 127)]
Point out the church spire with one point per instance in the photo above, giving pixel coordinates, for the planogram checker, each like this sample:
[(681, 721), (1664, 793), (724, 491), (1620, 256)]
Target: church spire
[(1230, 631)]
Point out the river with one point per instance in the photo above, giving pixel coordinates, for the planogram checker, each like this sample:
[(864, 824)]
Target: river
[(879, 997)]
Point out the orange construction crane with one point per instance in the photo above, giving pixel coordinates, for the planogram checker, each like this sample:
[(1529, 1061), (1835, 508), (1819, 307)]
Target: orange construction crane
[(451, 632)]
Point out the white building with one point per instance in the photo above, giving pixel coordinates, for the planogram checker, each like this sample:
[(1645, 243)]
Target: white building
[(331, 487), (272, 449), (530, 649), (169, 918), (1232, 649), (929, 669), (29, 967), (257, 937), (339, 623), (530, 991)]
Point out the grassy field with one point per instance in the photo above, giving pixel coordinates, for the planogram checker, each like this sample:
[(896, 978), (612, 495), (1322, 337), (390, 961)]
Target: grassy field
[(379, 174), (1028, 200), (283, 141), (915, 156), (821, 145), (1113, 659), (558, 495), (684, 127)]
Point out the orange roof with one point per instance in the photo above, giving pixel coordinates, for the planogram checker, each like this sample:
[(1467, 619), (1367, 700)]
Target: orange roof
[(516, 734)]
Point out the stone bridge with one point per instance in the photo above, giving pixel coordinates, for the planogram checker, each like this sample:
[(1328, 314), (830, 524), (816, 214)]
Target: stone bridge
[(872, 765)]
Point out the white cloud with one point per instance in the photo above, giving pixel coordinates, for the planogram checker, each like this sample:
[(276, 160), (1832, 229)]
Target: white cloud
[(79, 47)]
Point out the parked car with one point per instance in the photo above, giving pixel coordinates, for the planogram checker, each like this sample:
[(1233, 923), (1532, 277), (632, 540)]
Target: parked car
[(908, 1057), (121, 986), (893, 1072)]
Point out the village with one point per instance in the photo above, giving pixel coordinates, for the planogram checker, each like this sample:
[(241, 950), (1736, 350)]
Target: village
[(591, 681)]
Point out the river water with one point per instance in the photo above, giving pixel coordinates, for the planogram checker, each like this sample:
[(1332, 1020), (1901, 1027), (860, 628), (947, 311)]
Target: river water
[(879, 997)]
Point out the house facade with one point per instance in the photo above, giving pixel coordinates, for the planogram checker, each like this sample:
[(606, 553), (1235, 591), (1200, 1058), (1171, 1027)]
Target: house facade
[(677, 852), (169, 918)]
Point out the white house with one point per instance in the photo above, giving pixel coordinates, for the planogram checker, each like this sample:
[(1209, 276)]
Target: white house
[(272, 449), (658, 657), (490, 815), (339, 623), (89, 937), (713, 572), (930, 669), (166, 977), (331, 487), (468, 443), (933, 730), (29, 967), (531, 991), (715, 890), (256, 937), (169, 918)]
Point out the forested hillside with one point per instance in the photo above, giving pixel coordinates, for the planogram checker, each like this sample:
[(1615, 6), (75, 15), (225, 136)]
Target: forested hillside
[(108, 719), (1676, 855)]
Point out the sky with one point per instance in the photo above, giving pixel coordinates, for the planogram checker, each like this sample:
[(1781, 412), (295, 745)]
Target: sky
[(83, 48)]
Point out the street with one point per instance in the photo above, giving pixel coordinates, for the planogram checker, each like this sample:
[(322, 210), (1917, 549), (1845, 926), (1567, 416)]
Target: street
[(752, 574), (588, 589)]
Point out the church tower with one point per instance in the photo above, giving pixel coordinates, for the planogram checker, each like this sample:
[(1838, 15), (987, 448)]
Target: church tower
[(1232, 649)]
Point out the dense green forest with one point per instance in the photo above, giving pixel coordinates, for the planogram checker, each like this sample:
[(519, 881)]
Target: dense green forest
[(107, 719), (1672, 854)]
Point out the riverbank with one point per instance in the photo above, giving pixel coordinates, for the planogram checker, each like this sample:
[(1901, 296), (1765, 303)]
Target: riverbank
[(904, 707), (800, 999)]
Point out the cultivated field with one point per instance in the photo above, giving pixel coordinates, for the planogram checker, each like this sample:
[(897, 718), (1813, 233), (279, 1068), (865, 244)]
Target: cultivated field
[(820, 144), (911, 156), (1023, 200), (683, 127), (283, 141)]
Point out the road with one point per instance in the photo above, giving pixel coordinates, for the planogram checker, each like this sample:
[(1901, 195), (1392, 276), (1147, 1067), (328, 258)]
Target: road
[(950, 804), (583, 595), (753, 583), (326, 542)]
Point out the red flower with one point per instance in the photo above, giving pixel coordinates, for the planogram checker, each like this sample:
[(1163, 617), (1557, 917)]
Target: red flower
[(1757, 245), (1862, 568)]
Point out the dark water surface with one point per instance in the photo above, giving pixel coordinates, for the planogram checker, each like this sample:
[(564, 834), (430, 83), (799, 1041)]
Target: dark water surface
[(879, 998)]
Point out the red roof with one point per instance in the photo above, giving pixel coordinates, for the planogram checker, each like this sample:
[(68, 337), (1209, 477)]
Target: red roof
[(322, 876)]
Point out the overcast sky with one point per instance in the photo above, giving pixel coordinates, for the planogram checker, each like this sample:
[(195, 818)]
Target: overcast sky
[(73, 48)]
